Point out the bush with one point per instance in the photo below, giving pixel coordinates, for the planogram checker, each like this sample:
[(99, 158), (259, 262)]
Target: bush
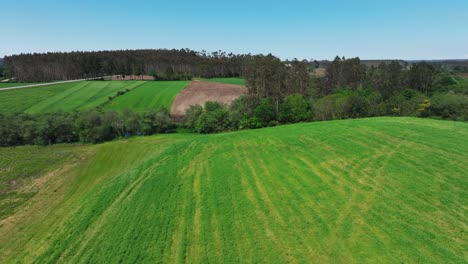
[(357, 106), (331, 107), (212, 122), (424, 109), (213, 119), (250, 122), (265, 112), (405, 104), (191, 116), (294, 109), (450, 105), (238, 110)]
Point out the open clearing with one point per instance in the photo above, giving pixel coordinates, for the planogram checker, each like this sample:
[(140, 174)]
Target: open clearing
[(366, 190), (89, 94), (199, 92)]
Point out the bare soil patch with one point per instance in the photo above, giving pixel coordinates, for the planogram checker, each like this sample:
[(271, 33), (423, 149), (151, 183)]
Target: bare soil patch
[(200, 92)]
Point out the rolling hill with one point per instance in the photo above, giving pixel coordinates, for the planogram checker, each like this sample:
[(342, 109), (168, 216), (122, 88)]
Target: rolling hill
[(364, 190)]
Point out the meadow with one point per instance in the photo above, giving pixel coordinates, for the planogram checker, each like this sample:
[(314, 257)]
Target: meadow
[(363, 190), (232, 80), (13, 84), (144, 97), (89, 94)]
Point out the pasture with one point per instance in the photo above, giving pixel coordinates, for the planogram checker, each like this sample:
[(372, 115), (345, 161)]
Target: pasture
[(232, 80), (365, 190), (90, 94), (149, 95), (12, 84)]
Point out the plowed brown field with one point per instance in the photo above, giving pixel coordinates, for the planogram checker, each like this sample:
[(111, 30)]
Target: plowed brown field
[(199, 92)]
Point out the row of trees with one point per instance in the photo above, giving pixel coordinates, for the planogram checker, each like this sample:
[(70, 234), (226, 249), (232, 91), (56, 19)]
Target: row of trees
[(351, 89), (246, 113), (92, 126), (280, 93), (387, 78), (75, 65)]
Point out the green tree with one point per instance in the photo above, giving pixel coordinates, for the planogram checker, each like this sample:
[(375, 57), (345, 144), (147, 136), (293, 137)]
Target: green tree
[(294, 109), (238, 110), (298, 77), (191, 116), (421, 77), (357, 106), (265, 112), (213, 119), (266, 78)]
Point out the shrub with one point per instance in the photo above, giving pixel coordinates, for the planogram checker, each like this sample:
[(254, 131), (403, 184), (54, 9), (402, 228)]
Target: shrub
[(450, 105), (424, 109), (213, 119), (238, 110), (294, 109), (357, 106), (191, 116), (265, 112), (249, 122)]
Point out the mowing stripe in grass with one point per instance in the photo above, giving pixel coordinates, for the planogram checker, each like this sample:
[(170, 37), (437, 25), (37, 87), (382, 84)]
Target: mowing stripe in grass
[(370, 190)]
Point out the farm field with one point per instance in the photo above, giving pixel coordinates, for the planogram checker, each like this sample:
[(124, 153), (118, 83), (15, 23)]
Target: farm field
[(20, 100), (7, 84), (364, 190), (89, 94), (144, 97), (238, 81), (199, 92)]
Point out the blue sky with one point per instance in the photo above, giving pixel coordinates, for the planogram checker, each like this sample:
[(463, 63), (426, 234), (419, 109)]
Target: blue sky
[(289, 29)]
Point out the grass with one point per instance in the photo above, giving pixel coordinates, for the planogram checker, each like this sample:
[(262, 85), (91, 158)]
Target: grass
[(238, 81), (19, 100), (366, 190), (82, 96), (13, 84), (149, 95), (90, 94), (20, 167)]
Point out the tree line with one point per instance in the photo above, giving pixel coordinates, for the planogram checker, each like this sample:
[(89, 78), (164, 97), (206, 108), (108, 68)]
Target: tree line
[(278, 93), (282, 93), (93, 126), (38, 67)]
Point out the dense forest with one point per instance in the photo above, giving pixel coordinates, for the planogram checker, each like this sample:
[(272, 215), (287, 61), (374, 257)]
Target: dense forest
[(279, 92), (38, 67)]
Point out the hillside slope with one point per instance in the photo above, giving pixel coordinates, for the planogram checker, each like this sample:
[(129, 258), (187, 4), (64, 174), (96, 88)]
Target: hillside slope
[(367, 190), (85, 95)]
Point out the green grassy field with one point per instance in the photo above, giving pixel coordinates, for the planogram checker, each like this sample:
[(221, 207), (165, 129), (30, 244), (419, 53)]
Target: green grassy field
[(149, 95), (5, 85), (238, 81), (391, 190), (89, 94)]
